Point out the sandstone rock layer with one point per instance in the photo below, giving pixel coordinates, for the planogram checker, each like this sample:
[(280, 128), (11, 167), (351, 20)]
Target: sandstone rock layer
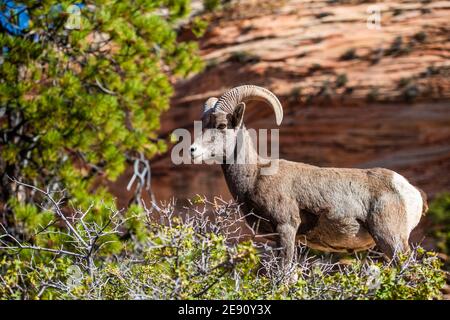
[(353, 96)]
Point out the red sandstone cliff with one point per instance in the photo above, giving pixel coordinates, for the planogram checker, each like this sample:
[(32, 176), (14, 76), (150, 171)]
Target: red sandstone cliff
[(353, 97)]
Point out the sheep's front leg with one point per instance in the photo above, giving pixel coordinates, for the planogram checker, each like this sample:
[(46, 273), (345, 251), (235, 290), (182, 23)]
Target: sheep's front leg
[(286, 241)]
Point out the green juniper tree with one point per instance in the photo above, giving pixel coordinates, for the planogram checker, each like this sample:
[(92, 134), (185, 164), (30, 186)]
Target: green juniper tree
[(82, 89)]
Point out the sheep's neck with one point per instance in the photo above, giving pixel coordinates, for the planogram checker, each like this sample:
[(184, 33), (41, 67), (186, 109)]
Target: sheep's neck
[(240, 177)]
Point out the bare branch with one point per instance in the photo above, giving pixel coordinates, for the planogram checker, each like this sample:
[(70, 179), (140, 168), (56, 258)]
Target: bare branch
[(57, 209)]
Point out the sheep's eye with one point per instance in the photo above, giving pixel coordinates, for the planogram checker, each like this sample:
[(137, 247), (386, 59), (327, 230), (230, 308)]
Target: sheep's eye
[(222, 126)]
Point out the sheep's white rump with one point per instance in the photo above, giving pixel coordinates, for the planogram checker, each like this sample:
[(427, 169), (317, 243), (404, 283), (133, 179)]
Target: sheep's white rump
[(411, 198)]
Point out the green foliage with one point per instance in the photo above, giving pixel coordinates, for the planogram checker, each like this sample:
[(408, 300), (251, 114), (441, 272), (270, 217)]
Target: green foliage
[(341, 80), (195, 258), (199, 26), (398, 283), (211, 5), (19, 274), (439, 213), (76, 104)]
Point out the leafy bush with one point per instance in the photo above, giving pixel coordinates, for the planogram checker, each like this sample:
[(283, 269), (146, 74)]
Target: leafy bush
[(195, 253), (439, 213), (211, 5)]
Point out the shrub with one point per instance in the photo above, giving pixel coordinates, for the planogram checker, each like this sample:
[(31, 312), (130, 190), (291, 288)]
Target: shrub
[(131, 256), (211, 5), (439, 214), (350, 54), (341, 80), (410, 92), (244, 57), (420, 36)]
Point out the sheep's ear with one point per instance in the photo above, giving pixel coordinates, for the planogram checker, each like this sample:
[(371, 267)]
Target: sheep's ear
[(238, 115)]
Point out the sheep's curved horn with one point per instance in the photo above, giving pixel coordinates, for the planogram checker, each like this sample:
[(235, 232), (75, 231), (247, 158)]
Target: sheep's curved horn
[(230, 99), (209, 104)]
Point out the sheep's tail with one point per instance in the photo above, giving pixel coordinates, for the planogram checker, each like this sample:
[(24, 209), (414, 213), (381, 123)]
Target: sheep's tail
[(424, 201)]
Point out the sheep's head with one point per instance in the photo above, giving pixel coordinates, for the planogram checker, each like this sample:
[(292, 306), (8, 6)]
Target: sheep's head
[(222, 121)]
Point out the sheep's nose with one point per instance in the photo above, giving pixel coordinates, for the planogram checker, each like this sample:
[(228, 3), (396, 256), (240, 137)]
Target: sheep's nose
[(193, 149)]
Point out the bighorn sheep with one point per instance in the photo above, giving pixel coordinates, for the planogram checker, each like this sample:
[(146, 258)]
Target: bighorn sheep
[(330, 209)]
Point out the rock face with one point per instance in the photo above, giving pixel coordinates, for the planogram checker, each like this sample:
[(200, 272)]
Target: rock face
[(353, 96)]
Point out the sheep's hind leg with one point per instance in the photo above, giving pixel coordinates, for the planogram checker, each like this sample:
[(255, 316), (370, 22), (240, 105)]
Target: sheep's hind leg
[(388, 231)]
